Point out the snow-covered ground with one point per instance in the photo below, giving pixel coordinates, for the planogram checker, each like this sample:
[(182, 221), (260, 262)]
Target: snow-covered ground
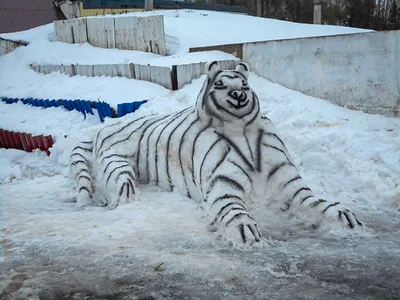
[(159, 246)]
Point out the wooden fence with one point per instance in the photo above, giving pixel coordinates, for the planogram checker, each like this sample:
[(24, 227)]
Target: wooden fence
[(173, 78), (127, 33)]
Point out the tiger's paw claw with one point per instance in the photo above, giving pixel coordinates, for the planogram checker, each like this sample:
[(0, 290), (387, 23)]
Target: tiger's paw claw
[(244, 235)]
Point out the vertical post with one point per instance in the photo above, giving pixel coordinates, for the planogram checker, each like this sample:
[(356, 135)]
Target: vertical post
[(317, 12), (148, 5), (258, 8)]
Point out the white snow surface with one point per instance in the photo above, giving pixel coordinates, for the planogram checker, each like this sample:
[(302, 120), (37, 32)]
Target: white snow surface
[(159, 246)]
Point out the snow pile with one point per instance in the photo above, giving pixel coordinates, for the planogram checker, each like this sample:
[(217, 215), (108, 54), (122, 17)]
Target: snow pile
[(55, 121), (44, 32)]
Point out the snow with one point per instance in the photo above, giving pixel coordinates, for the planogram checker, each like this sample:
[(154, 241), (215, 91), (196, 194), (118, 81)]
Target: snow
[(159, 246), (43, 32)]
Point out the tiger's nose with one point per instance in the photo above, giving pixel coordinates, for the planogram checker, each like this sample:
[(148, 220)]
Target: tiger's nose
[(238, 95)]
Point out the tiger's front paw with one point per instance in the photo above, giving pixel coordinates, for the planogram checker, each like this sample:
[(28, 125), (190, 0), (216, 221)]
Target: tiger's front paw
[(243, 233), (345, 217)]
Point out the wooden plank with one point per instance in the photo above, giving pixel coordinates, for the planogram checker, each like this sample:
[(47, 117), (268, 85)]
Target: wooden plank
[(132, 71), (101, 32)]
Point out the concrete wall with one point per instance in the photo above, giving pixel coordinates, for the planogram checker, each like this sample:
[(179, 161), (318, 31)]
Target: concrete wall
[(101, 33), (128, 33), (71, 31), (359, 71), (234, 49), (6, 46)]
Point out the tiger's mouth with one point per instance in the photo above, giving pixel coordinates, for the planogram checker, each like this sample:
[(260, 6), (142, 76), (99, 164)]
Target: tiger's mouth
[(239, 97), (239, 105)]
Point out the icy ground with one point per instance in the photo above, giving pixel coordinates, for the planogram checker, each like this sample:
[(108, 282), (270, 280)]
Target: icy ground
[(159, 246)]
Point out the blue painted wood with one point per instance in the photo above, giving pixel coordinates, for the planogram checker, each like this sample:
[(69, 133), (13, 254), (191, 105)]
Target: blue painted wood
[(83, 106)]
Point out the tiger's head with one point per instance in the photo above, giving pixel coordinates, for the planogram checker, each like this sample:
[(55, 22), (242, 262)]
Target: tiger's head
[(226, 95)]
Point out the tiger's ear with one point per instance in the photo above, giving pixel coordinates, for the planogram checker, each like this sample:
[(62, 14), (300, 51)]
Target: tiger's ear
[(212, 68), (243, 69)]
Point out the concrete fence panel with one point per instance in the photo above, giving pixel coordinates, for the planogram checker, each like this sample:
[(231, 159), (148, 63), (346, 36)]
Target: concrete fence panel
[(228, 64), (234, 49), (35, 68), (101, 32), (105, 70), (66, 69), (7, 46), (129, 33), (112, 71), (123, 70), (141, 34), (84, 70), (186, 73), (360, 71), (144, 71), (161, 76), (153, 26), (71, 31), (63, 31), (126, 34), (49, 69), (173, 79)]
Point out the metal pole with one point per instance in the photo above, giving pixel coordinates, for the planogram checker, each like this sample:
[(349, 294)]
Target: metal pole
[(317, 12), (148, 5), (258, 8)]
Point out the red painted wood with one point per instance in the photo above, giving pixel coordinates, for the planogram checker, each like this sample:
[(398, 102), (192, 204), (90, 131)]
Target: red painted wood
[(25, 141)]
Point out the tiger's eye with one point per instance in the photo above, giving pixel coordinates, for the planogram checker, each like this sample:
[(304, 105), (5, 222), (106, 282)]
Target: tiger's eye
[(219, 83)]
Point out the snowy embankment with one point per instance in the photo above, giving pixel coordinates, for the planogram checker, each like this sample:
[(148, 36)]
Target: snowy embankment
[(159, 246)]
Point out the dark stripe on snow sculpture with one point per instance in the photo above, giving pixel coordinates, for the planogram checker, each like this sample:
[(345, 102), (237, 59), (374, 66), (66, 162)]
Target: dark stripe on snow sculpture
[(140, 142), (178, 115), (220, 152), (168, 147), (188, 194)]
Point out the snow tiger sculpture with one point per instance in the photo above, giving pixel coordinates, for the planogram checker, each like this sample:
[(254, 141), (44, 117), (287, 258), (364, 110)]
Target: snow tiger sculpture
[(220, 152)]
